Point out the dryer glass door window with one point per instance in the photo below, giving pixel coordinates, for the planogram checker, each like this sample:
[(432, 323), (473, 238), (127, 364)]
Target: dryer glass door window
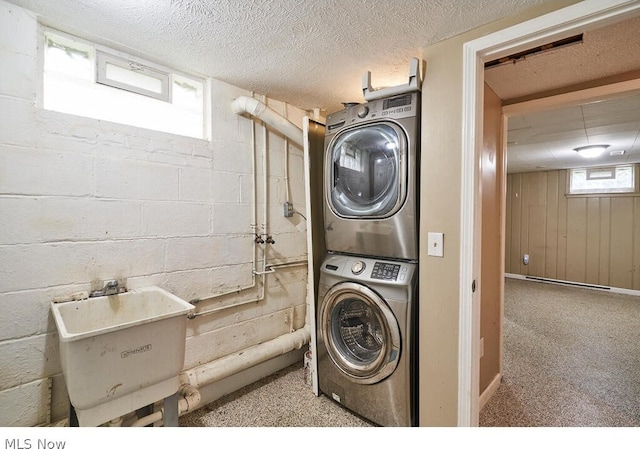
[(367, 171), (361, 333)]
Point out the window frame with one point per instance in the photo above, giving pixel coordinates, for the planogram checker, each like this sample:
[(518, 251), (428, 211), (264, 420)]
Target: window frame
[(201, 80), (103, 58), (634, 189)]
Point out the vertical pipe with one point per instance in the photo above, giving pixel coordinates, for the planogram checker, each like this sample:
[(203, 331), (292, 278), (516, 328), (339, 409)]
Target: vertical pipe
[(265, 172), (286, 158), (254, 218)]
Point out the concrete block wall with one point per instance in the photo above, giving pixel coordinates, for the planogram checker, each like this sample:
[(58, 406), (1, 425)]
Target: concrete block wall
[(83, 199)]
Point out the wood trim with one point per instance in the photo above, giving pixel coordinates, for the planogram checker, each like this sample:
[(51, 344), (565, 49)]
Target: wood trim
[(503, 233), (469, 314), (578, 97), (491, 389), (584, 15)]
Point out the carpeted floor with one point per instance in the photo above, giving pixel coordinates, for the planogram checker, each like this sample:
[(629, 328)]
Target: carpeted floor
[(279, 400), (571, 358)]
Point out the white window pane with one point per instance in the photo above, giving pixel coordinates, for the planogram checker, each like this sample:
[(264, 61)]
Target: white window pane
[(602, 173), (129, 92), (130, 75), (133, 78), (619, 179), (67, 57), (624, 176), (187, 93)]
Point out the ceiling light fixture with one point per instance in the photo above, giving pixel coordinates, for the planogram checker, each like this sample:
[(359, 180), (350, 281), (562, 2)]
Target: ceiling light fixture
[(591, 151)]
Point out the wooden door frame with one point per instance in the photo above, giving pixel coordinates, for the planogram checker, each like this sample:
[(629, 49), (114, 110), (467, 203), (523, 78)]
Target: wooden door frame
[(559, 24)]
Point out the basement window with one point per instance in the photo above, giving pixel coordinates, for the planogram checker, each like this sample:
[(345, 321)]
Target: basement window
[(132, 76), (594, 180), (88, 80)]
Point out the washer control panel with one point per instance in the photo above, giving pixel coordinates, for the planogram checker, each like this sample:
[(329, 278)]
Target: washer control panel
[(372, 270), (386, 271)]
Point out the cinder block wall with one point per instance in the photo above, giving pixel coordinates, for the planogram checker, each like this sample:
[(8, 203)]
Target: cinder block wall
[(83, 199)]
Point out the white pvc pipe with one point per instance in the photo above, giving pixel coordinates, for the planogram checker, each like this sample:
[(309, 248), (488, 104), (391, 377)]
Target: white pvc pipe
[(254, 263), (247, 358), (265, 191), (260, 110), (224, 367), (286, 157), (149, 419)]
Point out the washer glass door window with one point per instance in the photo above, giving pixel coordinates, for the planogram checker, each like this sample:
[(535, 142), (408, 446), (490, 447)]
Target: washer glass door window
[(367, 171), (360, 332)]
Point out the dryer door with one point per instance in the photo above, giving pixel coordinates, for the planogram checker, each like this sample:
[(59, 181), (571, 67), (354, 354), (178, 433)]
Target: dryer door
[(366, 171), (360, 332)]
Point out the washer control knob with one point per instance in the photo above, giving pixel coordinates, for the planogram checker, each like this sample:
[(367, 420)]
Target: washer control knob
[(358, 267), (362, 111)]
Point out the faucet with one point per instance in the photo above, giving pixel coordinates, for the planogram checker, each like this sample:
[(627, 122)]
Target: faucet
[(111, 287)]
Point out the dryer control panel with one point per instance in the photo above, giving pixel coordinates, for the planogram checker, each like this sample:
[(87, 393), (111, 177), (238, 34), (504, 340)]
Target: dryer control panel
[(394, 108)]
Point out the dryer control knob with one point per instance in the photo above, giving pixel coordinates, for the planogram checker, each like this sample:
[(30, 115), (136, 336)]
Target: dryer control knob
[(358, 267), (362, 111)]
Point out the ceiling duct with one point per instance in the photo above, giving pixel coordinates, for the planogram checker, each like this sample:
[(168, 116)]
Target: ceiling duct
[(512, 59)]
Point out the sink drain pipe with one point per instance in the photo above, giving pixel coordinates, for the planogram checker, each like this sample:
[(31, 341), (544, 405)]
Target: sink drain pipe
[(223, 367)]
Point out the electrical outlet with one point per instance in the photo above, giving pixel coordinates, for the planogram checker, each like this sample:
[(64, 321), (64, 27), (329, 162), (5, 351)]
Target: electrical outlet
[(288, 209)]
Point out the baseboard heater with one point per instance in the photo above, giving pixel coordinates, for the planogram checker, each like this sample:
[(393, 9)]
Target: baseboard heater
[(576, 284)]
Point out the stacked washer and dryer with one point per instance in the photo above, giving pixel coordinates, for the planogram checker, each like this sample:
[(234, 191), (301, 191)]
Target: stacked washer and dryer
[(367, 297)]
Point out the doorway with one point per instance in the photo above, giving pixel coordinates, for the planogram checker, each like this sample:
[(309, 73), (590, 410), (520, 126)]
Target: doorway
[(560, 24)]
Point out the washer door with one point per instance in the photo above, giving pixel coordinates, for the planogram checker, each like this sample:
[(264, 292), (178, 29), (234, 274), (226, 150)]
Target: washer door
[(360, 332), (366, 168)]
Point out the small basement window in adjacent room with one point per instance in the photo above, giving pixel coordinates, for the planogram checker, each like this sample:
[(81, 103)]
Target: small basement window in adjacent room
[(88, 80), (612, 179)]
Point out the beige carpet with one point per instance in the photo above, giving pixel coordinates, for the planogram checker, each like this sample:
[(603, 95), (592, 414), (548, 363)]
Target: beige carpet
[(571, 358), (280, 400)]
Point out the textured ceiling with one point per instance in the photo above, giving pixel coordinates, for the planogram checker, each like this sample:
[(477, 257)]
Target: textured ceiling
[(604, 52), (310, 54), (313, 54)]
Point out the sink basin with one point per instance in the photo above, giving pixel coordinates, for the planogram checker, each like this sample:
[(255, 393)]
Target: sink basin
[(121, 352)]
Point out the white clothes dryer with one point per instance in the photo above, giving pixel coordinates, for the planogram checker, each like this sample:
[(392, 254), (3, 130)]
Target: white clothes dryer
[(371, 178), (366, 345)]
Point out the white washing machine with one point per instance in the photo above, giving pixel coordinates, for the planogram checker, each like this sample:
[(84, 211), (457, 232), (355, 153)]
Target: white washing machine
[(371, 178), (366, 345)]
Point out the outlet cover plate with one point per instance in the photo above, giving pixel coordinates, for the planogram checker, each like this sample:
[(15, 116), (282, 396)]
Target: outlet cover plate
[(435, 243)]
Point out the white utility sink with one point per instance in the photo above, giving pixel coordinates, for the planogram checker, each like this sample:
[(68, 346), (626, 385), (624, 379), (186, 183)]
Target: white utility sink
[(121, 352)]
